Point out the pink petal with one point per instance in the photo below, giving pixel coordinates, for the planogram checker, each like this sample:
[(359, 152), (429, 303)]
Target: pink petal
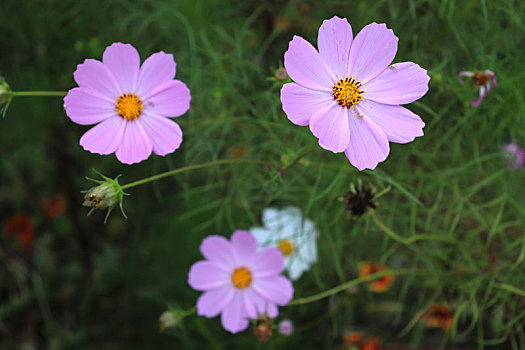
[(300, 103), (404, 83), (205, 275), (135, 145), (157, 69), (124, 61), (219, 250), (368, 143), (482, 93), (373, 50), (277, 289), (306, 67), (252, 297), (85, 106), (249, 303), (165, 135), (170, 99), (245, 247), (268, 262), (212, 302), (233, 316), (94, 75), (464, 74), (399, 124), (104, 138), (330, 126), (334, 41), (272, 310)]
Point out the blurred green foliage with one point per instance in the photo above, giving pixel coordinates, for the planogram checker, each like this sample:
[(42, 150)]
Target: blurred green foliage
[(85, 285)]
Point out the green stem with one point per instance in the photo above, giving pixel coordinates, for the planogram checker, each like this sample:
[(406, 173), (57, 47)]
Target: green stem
[(39, 93), (188, 168), (354, 282), (412, 239), (510, 288), (189, 311)]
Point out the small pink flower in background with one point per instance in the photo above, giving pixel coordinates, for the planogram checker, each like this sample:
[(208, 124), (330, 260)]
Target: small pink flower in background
[(286, 327), (238, 281), (129, 103), (485, 81), (515, 155), (350, 94)]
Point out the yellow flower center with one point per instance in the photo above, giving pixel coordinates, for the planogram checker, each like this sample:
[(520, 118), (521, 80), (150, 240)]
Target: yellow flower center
[(286, 247), (347, 92), (241, 277), (129, 106)]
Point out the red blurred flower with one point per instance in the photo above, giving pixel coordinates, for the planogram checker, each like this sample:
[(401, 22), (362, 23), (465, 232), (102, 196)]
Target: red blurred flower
[(357, 340), (21, 225), (438, 315), (382, 283), (53, 206)]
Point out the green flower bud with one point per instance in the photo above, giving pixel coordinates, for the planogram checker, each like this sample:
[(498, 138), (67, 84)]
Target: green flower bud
[(101, 196), (168, 320), (5, 91), (107, 194)]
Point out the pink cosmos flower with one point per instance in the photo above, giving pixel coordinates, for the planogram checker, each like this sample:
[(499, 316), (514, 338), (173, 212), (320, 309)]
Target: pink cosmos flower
[(129, 103), (514, 154), (349, 93), (238, 282), (482, 81)]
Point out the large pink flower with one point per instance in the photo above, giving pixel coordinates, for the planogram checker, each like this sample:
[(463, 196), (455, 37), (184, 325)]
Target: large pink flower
[(129, 103), (238, 282), (349, 93)]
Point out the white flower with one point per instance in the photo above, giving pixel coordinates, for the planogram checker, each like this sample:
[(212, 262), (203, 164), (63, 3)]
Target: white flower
[(296, 238)]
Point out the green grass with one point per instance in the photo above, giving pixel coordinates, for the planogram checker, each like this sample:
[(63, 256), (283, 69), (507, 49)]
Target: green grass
[(461, 212)]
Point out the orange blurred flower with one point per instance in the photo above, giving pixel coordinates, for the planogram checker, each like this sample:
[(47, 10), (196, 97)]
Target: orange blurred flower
[(370, 343), (21, 225), (379, 285), (438, 315), (53, 206), (353, 338), (237, 152), (357, 340)]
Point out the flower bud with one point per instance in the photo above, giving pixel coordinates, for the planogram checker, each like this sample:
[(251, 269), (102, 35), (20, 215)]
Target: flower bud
[(101, 196), (5, 91), (107, 194), (263, 329), (169, 320)]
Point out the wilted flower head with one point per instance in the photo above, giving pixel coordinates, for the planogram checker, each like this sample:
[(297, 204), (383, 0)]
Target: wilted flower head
[(21, 225), (239, 282), (107, 194), (485, 81), (359, 199), (294, 236), (515, 155), (286, 327), (438, 315), (382, 283), (350, 94), (263, 329), (129, 103), (280, 74)]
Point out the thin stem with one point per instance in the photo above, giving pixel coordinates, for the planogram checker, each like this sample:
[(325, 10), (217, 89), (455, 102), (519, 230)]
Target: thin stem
[(354, 282), (189, 311), (412, 239), (188, 168), (39, 93)]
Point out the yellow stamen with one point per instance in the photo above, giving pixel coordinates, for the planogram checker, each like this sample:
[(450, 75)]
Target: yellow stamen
[(347, 93), (129, 106), (286, 247), (241, 277)]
